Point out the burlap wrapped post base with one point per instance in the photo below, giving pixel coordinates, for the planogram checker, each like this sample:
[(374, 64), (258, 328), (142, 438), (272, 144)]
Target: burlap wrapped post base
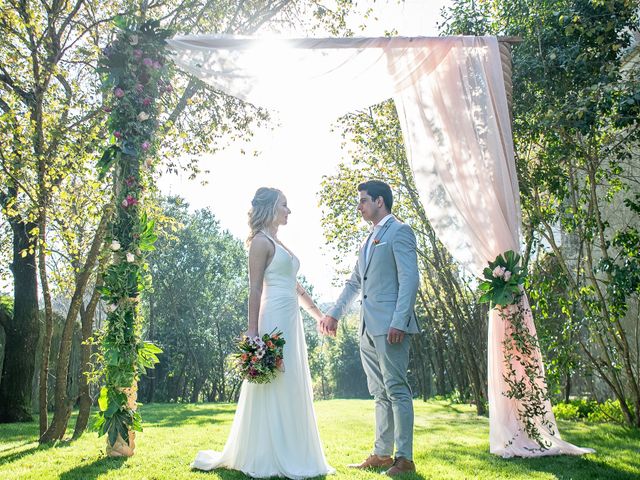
[(121, 448)]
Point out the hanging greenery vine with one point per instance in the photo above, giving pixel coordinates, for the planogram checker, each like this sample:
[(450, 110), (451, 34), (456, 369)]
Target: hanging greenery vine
[(133, 69), (502, 288)]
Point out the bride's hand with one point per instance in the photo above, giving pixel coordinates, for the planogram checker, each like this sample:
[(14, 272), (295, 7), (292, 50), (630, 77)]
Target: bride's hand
[(251, 333)]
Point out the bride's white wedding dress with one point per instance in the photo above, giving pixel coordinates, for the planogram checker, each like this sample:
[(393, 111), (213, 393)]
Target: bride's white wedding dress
[(274, 431)]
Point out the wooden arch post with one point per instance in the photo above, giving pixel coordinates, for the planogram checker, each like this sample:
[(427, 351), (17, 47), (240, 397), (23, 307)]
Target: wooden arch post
[(505, 44)]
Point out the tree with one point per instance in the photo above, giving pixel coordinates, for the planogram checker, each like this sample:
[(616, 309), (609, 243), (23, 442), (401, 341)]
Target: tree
[(44, 116), (197, 308)]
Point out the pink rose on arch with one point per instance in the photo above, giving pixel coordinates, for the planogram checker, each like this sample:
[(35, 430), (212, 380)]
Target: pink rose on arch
[(129, 201), (507, 275), (157, 65), (137, 53), (117, 134), (118, 92), (147, 62), (145, 146), (168, 89), (146, 102)]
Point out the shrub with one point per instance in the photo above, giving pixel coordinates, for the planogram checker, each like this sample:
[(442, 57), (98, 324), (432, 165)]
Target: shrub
[(589, 410)]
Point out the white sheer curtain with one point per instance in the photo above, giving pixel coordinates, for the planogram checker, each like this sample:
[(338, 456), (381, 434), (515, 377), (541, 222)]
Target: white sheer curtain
[(450, 97)]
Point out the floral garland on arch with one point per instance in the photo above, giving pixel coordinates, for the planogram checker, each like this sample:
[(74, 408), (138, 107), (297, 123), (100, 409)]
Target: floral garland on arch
[(132, 69), (502, 289)]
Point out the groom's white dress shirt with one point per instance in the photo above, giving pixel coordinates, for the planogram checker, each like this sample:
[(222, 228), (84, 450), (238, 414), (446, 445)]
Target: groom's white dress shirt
[(373, 234)]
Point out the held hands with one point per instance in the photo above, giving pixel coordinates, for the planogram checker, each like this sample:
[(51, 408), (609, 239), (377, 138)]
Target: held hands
[(395, 335), (328, 326)]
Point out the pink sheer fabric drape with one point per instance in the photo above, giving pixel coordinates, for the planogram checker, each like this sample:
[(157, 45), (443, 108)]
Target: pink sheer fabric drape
[(457, 131), (449, 93)]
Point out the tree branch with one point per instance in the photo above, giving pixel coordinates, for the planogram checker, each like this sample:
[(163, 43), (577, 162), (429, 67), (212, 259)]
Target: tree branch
[(27, 97), (57, 138)]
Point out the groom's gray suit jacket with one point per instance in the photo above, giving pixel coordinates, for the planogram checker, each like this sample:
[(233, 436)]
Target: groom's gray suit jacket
[(387, 282)]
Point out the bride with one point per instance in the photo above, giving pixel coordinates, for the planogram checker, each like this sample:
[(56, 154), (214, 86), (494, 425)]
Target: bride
[(274, 431)]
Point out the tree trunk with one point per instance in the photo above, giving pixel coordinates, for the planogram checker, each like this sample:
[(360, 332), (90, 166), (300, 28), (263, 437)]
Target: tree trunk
[(62, 410), (22, 330), (567, 388), (48, 319), (86, 316)]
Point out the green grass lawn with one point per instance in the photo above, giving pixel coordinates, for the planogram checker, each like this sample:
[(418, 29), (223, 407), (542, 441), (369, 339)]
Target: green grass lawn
[(450, 442)]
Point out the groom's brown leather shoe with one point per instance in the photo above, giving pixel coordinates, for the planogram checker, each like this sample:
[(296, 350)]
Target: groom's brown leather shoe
[(401, 465), (373, 461)]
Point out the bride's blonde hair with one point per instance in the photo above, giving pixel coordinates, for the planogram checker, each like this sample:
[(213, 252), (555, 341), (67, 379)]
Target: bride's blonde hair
[(263, 211)]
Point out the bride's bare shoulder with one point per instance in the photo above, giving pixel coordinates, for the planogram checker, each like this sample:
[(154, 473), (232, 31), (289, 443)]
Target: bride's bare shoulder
[(261, 243)]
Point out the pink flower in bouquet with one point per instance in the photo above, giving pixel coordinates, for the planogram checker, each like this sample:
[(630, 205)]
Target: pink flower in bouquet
[(497, 272), (118, 92), (506, 276)]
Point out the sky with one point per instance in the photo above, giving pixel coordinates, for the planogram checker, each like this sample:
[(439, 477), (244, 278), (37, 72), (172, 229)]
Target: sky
[(293, 157)]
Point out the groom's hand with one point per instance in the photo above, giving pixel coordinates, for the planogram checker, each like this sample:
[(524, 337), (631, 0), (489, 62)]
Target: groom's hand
[(395, 335), (328, 326)]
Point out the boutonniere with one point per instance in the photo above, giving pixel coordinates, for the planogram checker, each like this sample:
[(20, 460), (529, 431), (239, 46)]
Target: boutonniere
[(376, 241)]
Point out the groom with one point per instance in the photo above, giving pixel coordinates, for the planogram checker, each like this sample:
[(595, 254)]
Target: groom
[(386, 279)]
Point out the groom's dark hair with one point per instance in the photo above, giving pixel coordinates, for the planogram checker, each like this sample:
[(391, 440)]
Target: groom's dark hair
[(377, 188)]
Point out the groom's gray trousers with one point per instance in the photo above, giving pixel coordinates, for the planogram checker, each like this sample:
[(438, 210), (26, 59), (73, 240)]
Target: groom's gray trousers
[(386, 365)]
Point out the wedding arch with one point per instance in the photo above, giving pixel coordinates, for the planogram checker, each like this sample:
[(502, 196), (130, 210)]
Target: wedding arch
[(452, 105)]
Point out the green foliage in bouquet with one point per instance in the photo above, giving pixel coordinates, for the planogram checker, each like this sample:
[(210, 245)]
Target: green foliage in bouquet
[(502, 280)]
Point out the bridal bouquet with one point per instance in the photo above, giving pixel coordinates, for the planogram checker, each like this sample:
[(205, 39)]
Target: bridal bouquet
[(260, 358), (502, 280)]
